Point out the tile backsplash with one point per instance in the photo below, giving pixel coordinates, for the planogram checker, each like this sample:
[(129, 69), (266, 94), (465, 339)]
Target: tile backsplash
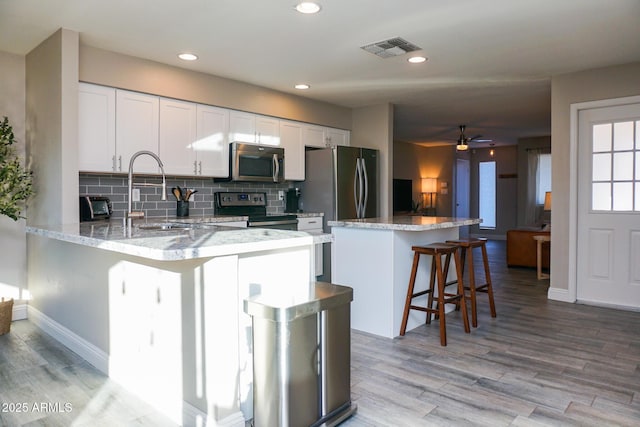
[(114, 186)]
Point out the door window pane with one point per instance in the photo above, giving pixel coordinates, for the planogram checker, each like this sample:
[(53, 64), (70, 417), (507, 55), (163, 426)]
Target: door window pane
[(623, 136), (601, 196), (615, 168), (601, 167), (622, 196), (602, 137), (487, 194), (623, 166)]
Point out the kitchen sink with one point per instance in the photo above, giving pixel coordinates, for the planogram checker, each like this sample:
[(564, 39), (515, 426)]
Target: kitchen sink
[(166, 227)]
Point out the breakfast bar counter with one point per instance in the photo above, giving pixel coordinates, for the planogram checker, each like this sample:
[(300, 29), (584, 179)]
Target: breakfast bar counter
[(157, 306), (374, 257)]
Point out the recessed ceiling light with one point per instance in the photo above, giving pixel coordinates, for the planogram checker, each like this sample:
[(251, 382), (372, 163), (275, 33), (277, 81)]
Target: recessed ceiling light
[(302, 86), (417, 59), (188, 56), (308, 7)]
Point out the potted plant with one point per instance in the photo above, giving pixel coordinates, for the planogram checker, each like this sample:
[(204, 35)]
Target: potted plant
[(16, 184)]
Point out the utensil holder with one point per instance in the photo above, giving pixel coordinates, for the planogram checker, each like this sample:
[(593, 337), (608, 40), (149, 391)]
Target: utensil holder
[(183, 208)]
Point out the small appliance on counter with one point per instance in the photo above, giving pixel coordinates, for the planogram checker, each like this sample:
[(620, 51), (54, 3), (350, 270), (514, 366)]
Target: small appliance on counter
[(93, 208), (293, 201)]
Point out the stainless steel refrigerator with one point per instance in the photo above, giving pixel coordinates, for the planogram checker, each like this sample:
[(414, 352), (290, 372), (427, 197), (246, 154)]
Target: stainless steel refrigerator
[(342, 182)]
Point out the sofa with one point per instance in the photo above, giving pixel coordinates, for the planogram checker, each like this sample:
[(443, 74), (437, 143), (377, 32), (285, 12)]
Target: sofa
[(521, 248)]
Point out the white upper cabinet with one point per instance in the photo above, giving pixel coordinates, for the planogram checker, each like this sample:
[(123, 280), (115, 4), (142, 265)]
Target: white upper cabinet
[(314, 136), (211, 145), (337, 137), (96, 128), (291, 141), (253, 128), (137, 125), (177, 136)]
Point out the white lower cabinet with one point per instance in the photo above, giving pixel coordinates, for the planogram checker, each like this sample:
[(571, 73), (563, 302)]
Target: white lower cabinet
[(314, 225)]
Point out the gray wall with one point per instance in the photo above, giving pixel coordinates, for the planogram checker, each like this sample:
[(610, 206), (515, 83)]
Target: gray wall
[(411, 161), (128, 72), (506, 189), (598, 84)]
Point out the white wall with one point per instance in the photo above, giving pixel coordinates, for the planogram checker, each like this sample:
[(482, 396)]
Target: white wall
[(591, 85), (13, 246)]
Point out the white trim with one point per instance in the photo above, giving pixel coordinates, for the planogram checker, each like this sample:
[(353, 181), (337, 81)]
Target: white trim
[(560, 295), (571, 292), (192, 416), (83, 348), (19, 312)]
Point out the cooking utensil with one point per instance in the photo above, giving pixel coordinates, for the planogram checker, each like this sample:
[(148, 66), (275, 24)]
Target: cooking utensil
[(181, 193), (189, 193), (176, 192)]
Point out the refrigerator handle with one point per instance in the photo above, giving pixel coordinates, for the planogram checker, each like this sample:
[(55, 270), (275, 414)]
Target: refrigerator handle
[(276, 168), (366, 188), (356, 199)]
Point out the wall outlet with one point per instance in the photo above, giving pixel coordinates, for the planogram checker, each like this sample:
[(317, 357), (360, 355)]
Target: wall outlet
[(280, 194), (135, 195)]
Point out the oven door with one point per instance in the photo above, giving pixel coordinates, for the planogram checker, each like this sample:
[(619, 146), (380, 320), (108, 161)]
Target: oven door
[(255, 163)]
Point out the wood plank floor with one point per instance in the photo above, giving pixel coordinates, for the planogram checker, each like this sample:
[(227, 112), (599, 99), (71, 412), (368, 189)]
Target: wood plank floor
[(538, 363)]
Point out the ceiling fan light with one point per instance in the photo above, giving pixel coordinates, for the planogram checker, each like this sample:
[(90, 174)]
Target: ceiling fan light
[(462, 146)]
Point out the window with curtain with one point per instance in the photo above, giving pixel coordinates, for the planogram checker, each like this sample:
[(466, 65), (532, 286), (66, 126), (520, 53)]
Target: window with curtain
[(538, 183), (487, 194)]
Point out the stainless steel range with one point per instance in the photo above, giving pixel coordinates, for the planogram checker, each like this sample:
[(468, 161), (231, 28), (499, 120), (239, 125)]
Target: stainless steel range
[(253, 205)]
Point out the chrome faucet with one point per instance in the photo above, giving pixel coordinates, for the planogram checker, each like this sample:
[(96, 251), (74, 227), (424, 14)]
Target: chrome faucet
[(130, 213)]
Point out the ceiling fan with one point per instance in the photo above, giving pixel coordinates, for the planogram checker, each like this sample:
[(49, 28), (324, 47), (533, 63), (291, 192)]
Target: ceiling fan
[(463, 141)]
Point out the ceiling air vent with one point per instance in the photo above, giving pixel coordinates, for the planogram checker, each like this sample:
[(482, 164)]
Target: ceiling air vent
[(388, 48)]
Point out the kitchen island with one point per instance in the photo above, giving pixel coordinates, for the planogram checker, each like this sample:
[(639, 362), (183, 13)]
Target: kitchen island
[(374, 257), (158, 306)]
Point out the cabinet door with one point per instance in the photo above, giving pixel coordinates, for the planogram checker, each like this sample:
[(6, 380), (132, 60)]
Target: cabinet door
[(314, 136), (137, 122), (96, 128), (242, 127), (177, 136), (291, 141), (338, 136), (314, 225), (267, 131), (211, 146)]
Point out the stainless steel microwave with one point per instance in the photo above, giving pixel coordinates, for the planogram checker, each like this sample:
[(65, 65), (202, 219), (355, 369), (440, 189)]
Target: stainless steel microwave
[(255, 163)]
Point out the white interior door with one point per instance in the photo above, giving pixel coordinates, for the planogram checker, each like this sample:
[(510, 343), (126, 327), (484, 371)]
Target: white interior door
[(463, 174), (608, 265)]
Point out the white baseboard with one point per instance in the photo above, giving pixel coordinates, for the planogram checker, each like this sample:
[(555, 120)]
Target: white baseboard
[(19, 311), (559, 295), (75, 343), (191, 415)]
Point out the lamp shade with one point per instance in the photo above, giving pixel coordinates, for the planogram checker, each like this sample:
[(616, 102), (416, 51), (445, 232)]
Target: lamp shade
[(429, 185), (547, 201)]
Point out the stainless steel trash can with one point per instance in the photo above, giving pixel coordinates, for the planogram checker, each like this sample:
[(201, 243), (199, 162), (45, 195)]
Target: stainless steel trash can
[(302, 358)]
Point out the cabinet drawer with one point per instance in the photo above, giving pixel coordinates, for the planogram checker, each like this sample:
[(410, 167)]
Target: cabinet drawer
[(310, 223)]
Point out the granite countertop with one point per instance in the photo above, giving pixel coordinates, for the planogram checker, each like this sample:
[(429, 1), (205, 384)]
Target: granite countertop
[(175, 244), (406, 223), (309, 214)]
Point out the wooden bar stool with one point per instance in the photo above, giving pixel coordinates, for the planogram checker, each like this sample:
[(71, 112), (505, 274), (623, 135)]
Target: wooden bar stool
[(436, 251), (468, 245)]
